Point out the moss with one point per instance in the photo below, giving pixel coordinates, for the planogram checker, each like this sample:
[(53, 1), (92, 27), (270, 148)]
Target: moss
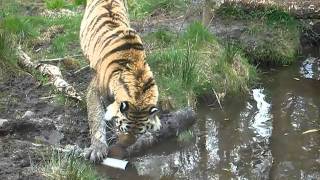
[(197, 63), (271, 35)]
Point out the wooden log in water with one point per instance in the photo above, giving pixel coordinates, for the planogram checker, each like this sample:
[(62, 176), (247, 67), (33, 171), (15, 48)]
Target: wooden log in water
[(172, 125)]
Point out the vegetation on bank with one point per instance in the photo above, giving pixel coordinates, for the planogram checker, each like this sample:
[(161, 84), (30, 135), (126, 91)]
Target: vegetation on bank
[(61, 166), (192, 63), (139, 9), (271, 35)]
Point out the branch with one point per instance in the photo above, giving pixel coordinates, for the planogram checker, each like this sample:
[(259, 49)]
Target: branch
[(58, 59), (172, 125), (53, 72)]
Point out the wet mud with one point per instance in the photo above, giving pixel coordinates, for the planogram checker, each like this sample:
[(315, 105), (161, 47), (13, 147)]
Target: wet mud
[(31, 116)]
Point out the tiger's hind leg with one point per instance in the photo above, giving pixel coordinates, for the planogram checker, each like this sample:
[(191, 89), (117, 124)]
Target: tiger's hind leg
[(99, 147)]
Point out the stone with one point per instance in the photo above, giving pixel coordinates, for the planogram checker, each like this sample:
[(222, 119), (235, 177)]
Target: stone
[(28, 115), (2, 121)]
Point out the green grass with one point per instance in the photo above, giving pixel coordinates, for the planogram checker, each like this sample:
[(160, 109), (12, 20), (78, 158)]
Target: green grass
[(55, 4), (59, 4), (195, 63), (80, 2), (185, 136), (139, 9), (62, 166), (274, 31)]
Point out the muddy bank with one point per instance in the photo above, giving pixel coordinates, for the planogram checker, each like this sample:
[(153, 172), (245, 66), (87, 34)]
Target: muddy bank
[(31, 116)]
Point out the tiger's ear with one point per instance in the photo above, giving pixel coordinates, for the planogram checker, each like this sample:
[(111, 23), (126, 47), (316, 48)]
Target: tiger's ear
[(124, 106), (153, 110)]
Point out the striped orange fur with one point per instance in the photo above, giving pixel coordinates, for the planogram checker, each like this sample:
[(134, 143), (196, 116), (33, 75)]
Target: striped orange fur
[(116, 53)]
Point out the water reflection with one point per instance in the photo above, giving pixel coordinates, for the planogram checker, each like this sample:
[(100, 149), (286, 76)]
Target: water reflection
[(261, 123)]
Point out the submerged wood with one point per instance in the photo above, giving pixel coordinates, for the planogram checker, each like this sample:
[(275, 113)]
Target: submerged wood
[(172, 125), (53, 72)]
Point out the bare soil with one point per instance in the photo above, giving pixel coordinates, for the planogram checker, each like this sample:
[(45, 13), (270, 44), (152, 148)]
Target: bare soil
[(31, 117)]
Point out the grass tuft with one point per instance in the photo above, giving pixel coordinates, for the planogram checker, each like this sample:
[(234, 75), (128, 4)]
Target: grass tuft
[(79, 2), (196, 63), (18, 25), (55, 4), (139, 9), (196, 34), (274, 31), (62, 166), (185, 136)]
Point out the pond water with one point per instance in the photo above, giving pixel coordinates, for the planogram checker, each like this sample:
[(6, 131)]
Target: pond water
[(256, 137)]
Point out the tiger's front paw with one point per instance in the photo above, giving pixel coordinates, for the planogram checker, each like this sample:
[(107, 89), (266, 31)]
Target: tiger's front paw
[(96, 152)]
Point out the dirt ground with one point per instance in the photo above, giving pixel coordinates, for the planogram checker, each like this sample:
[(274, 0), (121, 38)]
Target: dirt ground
[(30, 117)]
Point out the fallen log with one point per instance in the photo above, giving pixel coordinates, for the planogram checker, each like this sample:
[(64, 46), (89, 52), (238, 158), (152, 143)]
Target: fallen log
[(172, 124), (53, 72)]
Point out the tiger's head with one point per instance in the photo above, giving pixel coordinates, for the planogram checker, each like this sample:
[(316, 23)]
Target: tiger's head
[(137, 119), (137, 98)]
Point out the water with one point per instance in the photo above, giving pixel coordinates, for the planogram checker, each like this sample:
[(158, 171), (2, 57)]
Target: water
[(257, 137)]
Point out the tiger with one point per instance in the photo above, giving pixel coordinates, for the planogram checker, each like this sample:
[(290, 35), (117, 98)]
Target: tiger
[(123, 82)]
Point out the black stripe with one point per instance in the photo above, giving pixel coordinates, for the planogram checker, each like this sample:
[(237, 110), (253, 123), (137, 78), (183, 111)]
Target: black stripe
[(125, 86), (93, 7), (127, 46), (97, 30), (120, 62), (105, 22), (114, 16), (148, 84), (95, 20), (137, 116), (108, 82), (89, 13), (123, 47), (108, 40), (144, 109)]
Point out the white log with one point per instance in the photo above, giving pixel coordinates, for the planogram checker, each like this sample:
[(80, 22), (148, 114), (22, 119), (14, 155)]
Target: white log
[(53, 72)]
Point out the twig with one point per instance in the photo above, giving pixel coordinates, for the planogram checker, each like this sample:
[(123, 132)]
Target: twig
[(82, 69), (53, 72), (218, 99), (47, 97), (58, 59)]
